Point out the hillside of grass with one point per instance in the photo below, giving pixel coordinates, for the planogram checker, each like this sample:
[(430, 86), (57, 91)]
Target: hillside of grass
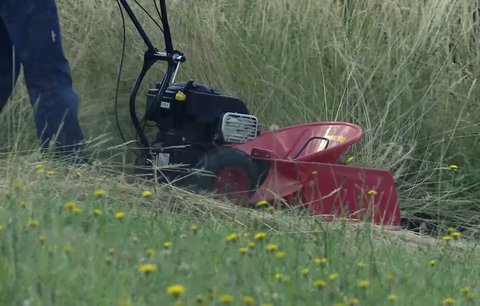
[(404, 71)]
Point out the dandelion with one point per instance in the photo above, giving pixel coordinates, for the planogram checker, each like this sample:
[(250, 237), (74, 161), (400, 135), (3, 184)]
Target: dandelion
[(147, 268), (372, 192), (350, 159), (110, 251), (271, 247), (119, 215), (281, 277), (451, 230), (42, 239), (69, 206), (97, 212), (392, 297), (146, 194), (33, 223), (135, 239), (231, 238), (262, 203), (16, 184), (352, 302), (455, 234), (243, 251), (50, 174), (2, 228), (99, 193), (77, 210), (448, 301), (321, 261), (333, 276), (248, 300), (280, 255), (251, 245), (453, 167), (150, 252), (226, 299), (167, 244), (320, 283), (260, 236), (471, 296), (447, 238), (175, 290), (363, 284), (465, 290), (39, 167), (194, 228), (362, 265), (304, 271), (68, 249), (271, 209)]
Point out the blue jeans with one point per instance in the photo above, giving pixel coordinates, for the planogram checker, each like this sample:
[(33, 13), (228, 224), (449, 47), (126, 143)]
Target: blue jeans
[(30, 37)]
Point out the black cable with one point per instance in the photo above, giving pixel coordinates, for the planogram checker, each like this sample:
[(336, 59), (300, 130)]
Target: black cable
[(148, 14), (158, 10), (120, 68)]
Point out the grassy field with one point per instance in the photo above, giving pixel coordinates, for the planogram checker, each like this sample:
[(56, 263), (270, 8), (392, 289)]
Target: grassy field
[(80, 237), (406, 71)]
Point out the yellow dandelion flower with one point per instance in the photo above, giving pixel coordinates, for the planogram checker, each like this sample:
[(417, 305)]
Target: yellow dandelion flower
[(279, 276), (135, 239), (262, 203), (42, 239), (2, 228), (251, 245), (447, 238), (304, 271), (77, 210), (147, 268), (194, 228), (50, 174), (16, 184), (119, 215), (226, 299), (362, 265), (167, 244), (68, 249), (69, 206), (243, 251), (99, 193), (372, 192), (33, 223), (448, 301), (150, 252), (280, 255), (320, 283), (146, 194), (270, 209), (97, 212), (453, 167), (175, 290), (432, 262), (321, 261), (471, 296), (78, 174), (271, 247), (392, 297), (260, 236), (363, 284), (455, 234), (232, 237), (333, 276), (39, 167), (465, 290), (350, 159), (248, 300), (352, 302), (451, 230), (111, 251)]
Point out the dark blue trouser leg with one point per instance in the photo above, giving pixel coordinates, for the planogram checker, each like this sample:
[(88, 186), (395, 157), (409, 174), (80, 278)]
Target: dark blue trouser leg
[(34, 30), (8, 68)]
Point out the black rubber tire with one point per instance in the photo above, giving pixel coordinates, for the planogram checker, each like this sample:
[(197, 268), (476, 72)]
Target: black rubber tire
[(214, 161)]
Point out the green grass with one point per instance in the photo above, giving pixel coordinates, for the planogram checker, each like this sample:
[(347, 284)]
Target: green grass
[(76, 258)]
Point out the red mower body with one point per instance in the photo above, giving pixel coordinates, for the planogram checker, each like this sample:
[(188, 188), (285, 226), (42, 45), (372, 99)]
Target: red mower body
[(303, 171)]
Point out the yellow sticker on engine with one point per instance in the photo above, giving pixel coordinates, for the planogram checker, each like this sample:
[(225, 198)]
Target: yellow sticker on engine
[(337, 138)]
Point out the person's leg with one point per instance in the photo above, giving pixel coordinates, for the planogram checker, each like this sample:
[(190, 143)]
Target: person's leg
[(9, 66), (35, 32)]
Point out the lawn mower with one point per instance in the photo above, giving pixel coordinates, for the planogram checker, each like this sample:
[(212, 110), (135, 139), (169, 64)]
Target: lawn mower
[(208, 141)]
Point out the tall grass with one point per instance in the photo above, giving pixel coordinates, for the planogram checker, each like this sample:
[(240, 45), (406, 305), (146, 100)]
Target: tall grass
[(406, 71)]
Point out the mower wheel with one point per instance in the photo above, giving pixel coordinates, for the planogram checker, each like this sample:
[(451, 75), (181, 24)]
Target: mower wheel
[(226, 171)]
